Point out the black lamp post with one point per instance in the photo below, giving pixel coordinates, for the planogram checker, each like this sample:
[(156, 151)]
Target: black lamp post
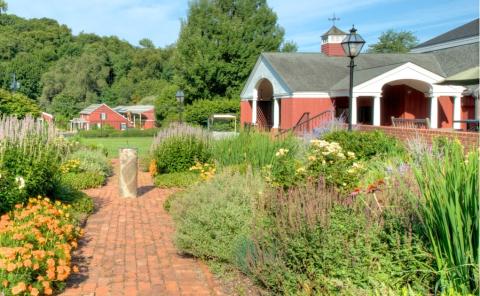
[(180, 96), (352, 45)]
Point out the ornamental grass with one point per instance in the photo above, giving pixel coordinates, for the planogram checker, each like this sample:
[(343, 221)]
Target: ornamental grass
[(449, 184), (36, 241)]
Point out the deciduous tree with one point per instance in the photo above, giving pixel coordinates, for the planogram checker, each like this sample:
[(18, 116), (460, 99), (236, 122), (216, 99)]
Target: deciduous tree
[(219, 43), (394, 42)]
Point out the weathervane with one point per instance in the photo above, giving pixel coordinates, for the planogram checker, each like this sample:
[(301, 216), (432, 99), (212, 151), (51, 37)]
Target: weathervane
[(333, 19)]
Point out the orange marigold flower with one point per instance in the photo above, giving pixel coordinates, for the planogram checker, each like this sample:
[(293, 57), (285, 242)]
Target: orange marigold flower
[(19, 288), (36, 266), (50, 262), (11, 267), (27, 263), (34, 292), (46, 284), (51, 274), (75, 269), (48, 291), (5, 283)]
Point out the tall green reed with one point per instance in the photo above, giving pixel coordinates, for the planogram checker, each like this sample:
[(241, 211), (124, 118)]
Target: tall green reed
[(449, 184), (253, 148)]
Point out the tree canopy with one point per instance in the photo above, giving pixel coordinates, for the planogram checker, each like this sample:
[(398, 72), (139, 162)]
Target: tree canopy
[(394, 42), (62, 73), (219, 43)]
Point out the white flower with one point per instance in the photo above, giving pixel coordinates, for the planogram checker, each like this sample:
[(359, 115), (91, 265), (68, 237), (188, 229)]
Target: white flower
[(341, 155), (21, 182), (350, 154), (281, 152)]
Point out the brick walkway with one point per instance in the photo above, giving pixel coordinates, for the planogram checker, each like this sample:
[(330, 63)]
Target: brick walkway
[(128, 249)]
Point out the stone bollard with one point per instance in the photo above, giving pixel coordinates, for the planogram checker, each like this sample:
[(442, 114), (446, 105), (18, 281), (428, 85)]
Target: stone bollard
[(127, 178)]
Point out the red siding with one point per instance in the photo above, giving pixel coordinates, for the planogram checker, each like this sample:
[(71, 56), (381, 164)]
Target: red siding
[(245, 112), (113, 118), (445, 112), (292, 109), (150, 119), (333, 49)]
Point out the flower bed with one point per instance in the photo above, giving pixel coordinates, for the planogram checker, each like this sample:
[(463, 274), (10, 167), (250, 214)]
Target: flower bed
[(36, 241)]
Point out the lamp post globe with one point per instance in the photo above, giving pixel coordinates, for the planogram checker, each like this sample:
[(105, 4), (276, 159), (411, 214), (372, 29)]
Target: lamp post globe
[(352, 45), (180, 96)]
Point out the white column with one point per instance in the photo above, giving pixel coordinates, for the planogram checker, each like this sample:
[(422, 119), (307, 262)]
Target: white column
[(433, 111), (457, 111), (254, 107), (376, 110), (276, 112), (354, 109)]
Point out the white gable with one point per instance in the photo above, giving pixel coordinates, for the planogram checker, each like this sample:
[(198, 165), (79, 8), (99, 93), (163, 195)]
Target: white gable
[(407, 72), (263, 70)]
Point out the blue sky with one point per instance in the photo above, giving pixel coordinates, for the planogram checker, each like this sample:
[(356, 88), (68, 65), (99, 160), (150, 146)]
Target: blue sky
[(304, 20)]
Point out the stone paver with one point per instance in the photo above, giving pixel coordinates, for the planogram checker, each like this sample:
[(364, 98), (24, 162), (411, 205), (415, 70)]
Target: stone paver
[(128, 250)]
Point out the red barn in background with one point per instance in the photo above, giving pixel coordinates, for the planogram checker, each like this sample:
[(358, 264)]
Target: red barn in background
[(120, 118)]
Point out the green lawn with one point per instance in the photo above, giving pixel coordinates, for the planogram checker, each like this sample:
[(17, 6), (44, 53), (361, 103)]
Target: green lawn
[(113, 144)]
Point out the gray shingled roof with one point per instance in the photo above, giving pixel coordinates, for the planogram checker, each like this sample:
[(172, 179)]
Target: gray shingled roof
[(318, 72), (468, 30), (457, 59), (90, 109), (334, 31)]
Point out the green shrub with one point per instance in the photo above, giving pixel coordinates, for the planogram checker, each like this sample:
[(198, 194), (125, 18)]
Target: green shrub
[(177, 154), (30, 155), (176, 180), (254, 148), (92, 161), (366, 145), (449, 183), (308, 241), (211, 217), (199, 111), (83, 180)]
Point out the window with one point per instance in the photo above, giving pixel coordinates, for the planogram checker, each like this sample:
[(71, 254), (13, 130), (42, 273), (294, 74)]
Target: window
[(103, 116), (123, 126)]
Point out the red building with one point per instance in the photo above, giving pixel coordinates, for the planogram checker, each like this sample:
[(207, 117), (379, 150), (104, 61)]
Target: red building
[(120, 118), (286, 88)]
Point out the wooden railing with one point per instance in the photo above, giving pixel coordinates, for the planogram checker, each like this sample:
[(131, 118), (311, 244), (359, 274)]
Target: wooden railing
[(307, 124)]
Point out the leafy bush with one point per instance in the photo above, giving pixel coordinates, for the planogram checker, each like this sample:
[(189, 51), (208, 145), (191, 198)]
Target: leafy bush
[(17, 104), (200, 110), (30, 154), (92, 161), (254, 148), (83, 180), (179, 147), (211, 217), (36, 243), (366, 145), (308, 241), (449, 184), (176, 180)]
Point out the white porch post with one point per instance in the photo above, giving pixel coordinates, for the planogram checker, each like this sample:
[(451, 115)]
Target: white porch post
[(457, 111), (376, 110), (254, 107), (433, 111), (354, 109), (276, 113)]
